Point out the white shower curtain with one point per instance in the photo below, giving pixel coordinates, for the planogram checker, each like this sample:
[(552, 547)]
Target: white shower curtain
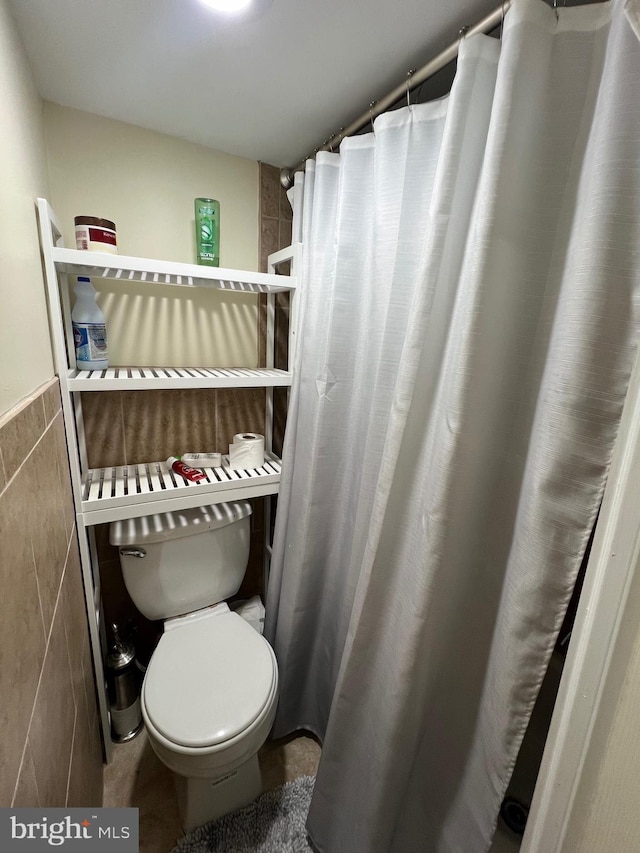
[(471, 306)]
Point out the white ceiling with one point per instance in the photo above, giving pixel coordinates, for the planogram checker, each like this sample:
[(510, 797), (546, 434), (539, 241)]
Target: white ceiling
[(270, 86)]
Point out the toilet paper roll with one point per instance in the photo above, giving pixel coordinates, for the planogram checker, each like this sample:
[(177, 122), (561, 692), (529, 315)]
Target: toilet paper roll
[(247, 450)]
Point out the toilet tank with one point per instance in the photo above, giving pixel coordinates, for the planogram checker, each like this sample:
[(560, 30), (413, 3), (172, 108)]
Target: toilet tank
[(177, 562)]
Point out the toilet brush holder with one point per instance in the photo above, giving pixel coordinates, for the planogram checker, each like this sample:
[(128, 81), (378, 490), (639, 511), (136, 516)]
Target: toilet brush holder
[(123, 689)]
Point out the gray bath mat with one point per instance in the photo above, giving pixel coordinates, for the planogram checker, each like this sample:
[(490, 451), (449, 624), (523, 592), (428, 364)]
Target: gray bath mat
[(274, 823)]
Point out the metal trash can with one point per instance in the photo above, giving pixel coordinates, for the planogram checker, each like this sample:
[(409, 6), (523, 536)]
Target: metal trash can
[(123, 690)]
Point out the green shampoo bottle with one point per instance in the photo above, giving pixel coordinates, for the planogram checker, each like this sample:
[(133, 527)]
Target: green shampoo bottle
[(207, 216)]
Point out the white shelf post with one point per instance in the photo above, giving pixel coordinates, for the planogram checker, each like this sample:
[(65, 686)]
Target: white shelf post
[(59, 323)]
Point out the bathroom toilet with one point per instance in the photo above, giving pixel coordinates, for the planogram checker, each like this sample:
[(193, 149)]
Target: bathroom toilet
[(210, 691)]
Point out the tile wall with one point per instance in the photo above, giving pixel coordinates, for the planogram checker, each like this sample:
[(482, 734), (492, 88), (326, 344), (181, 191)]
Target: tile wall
[(275, 214), (50, 750)]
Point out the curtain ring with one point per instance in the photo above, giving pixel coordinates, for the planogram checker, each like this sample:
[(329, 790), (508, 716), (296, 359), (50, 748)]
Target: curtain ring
[(463, 31), (555, 9), (410, 74)]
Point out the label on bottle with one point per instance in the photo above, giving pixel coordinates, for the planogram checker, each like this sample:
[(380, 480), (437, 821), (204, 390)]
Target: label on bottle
[(207, 233), (207, 243), (186, 471), (90, 340)]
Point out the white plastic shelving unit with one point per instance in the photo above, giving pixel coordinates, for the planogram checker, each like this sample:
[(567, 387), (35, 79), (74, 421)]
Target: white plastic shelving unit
[(107, 494), (141, 378)]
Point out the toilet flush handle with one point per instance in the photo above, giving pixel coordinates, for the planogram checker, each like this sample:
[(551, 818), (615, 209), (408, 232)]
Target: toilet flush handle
[(133, 552)]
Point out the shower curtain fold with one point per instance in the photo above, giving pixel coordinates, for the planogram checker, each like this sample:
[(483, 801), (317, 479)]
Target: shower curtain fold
[(471, 303)]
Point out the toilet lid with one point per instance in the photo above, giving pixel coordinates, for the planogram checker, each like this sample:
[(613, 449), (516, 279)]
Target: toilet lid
[(208, 680)]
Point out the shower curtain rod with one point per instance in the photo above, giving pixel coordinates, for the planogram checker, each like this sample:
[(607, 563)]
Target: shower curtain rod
[(414, 79)]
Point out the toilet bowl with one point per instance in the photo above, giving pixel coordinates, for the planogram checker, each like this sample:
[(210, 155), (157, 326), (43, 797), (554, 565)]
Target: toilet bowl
[(210, 691)]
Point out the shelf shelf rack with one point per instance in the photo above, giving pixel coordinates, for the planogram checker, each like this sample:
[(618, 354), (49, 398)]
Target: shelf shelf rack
[(146, 378), (146, 488), (153, 272), (129, 491)]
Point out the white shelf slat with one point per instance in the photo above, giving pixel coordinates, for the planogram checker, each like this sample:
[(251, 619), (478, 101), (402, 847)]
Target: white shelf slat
[(123, 268), (134, 490), (147, 378)]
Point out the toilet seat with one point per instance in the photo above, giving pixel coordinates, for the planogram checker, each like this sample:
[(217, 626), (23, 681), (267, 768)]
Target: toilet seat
[(209, 680)]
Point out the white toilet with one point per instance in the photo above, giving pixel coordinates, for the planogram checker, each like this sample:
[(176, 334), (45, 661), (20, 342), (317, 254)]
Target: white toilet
[(210, 692)]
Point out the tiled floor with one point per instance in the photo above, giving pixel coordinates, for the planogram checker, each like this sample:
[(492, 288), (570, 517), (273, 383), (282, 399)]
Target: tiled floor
[(136, 777)]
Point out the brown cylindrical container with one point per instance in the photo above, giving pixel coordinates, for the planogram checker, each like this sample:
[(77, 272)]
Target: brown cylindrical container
[(95, 235)]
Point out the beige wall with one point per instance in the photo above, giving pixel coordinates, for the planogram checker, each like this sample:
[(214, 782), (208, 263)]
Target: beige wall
[(25, 351), (146, 183), (605, 815)]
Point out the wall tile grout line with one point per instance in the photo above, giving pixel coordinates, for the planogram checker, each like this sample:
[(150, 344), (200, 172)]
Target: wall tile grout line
[(73, 742), (24, 751), (3, 469), (44, 411), (35, 572), (67, 646), (63, 575)]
